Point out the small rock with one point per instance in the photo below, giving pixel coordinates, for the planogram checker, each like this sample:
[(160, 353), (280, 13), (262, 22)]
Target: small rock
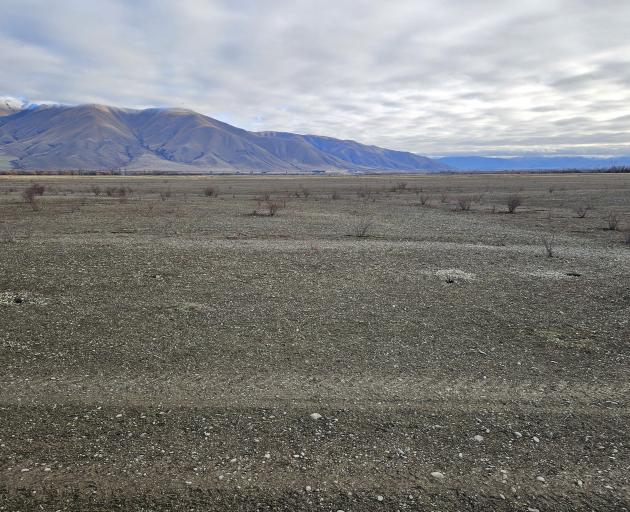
[(47, 469), (532, 509), (540, 478), (438, 475), (536, 440), (579, 483), (308, 488), (478, 438), (316, 416), (518, 435), (379, 498), (267, 455)]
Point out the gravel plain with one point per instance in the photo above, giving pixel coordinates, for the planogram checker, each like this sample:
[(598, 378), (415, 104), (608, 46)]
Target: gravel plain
[(371, 346)]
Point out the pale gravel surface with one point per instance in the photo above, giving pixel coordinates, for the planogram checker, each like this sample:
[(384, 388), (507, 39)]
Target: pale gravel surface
[(169, 355)]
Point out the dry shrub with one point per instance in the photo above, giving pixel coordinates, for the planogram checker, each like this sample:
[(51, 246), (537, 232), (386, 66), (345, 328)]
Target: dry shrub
[(362, 227), (121, 192), (211, 191), (31, 193), (512, 202), (399, 187), (273, 207), (581, 209), (463, 204), (8, 234), (335, 195), (425, 199), (613, 221), (549, 243), (364, 193)]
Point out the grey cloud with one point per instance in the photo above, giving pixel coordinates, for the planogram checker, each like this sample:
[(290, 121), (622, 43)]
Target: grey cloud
[(433, 77)]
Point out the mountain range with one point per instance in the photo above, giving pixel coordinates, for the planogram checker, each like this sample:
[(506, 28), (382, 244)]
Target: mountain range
[(98, 137), (533, 162)]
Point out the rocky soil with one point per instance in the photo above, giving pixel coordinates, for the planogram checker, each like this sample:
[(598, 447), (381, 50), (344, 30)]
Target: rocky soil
[(162, 349)]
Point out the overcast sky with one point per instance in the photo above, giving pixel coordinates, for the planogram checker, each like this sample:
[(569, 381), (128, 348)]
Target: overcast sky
[(431, 76)]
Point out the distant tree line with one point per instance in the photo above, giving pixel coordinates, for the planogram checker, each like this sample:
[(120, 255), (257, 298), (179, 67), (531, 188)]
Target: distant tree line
[(85, 172), (122, 172)]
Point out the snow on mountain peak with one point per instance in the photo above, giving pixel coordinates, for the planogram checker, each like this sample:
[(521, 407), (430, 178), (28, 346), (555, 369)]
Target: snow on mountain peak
[(12, 104)]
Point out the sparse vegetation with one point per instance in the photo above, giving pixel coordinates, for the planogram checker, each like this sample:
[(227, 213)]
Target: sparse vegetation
[(364, 193), (549, 245), (211, 191), (425, 199), (31, 194), (273, 207), (581, 209), (7, 234), (399, 187), (463, 203), (362, 228), (166, 194), (120, 192), (513, 201), (613, 221)]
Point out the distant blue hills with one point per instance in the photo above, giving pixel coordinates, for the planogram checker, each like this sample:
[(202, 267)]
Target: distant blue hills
[(531, 163)]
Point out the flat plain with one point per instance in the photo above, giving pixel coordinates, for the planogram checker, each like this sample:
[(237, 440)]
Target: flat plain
[(378, 343)]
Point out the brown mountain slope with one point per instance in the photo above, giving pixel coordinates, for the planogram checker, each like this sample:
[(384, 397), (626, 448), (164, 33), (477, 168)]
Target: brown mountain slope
[(84, 137), (99, 137)]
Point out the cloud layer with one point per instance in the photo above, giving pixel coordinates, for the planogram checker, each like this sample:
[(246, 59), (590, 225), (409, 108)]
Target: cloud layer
[(430, 76)]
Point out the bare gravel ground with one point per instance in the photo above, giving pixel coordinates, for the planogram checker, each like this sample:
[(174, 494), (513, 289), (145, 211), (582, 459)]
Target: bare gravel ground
[(357, 351)]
